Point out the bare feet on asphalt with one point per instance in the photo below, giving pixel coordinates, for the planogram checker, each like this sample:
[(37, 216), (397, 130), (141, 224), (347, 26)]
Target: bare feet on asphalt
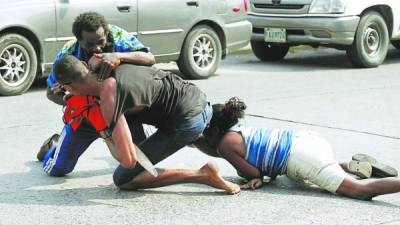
[(217, 181)]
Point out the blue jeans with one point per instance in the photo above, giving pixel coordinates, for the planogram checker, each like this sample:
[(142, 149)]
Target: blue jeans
[(62, 158), (164, 143)]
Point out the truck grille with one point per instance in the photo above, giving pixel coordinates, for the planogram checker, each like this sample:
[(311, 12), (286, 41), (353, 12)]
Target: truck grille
[(278, 6)]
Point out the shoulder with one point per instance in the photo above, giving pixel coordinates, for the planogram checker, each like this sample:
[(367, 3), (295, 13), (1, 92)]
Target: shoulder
[(68, 48), (119, 34), (123, 41), (231, 138), (231, 141), (116, 30)]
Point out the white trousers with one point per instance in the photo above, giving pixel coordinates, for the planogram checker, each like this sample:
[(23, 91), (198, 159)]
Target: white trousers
[(311, 159)]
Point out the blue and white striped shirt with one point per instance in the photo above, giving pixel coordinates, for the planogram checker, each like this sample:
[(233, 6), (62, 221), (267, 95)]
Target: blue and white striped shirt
[(266, 149)]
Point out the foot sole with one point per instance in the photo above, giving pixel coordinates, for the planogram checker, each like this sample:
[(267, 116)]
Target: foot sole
[(360, 169), (211, 169), (378, 169)]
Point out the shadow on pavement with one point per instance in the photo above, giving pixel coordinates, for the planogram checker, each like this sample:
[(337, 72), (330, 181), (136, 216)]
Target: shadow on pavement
[(393, 57), (211, 193), (307, 60), (34, 187), (286, 186), (38, 85)]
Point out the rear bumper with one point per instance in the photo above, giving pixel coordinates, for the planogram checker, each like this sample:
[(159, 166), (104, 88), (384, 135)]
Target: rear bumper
[(308, 30), (237, 34)]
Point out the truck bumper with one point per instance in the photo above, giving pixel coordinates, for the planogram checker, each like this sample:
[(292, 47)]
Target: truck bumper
[(308, 30)]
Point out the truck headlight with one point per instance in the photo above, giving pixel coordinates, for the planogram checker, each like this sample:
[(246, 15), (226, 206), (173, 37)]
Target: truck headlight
[(328, 6)]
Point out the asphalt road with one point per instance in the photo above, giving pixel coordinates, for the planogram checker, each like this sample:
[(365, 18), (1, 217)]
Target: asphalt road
[(357, 110)]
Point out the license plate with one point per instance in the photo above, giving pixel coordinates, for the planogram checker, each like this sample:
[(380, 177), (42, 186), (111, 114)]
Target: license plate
[(275, 35)]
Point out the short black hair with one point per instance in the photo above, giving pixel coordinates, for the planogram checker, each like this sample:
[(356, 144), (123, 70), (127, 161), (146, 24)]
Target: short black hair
[(68, 70), (89, 22)]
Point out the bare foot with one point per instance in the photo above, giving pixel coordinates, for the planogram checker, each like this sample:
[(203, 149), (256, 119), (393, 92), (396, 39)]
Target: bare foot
[(217, 181)]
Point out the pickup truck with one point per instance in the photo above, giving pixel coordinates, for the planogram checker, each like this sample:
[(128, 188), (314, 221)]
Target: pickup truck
[(363, 28)]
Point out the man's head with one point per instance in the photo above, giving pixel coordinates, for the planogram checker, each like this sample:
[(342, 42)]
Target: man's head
[(72, 74), (91, 30)]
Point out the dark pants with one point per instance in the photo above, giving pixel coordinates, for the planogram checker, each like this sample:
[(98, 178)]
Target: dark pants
[(62, 158), (164, 143)]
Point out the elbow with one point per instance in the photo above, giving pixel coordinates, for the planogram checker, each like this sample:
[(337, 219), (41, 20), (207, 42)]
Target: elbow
[(58, 99), (141, 58), (151, 60), (127, 162)]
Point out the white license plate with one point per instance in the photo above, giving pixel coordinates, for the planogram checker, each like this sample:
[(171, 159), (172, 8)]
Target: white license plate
[(275, 35)]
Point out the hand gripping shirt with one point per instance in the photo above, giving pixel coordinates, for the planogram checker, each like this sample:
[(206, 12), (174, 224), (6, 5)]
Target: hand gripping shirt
[(266, 149), (118, 40)]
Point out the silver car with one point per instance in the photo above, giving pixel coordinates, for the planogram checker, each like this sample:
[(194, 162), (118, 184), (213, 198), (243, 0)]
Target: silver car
[(196, 34)]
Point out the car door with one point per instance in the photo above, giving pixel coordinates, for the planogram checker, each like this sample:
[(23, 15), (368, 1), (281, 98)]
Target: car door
[(122, 13), (163, 24)]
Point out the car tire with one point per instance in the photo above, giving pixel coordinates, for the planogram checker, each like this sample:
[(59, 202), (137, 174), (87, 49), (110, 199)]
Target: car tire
[(371, 42), (18, 64), (396, 44), (201, 53), (269, 51)]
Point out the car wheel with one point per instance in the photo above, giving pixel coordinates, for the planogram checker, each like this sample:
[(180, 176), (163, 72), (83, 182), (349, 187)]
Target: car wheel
[(371, 41), (269, 51), (18, 64), (396, 44), (201, 53)]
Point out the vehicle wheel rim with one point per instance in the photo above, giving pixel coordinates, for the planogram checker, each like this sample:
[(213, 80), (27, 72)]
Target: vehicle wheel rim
[(14, 65), (372, 40), (204, 53)]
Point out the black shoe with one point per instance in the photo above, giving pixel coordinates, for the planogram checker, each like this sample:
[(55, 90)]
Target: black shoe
[(47, 145), (378, 169)]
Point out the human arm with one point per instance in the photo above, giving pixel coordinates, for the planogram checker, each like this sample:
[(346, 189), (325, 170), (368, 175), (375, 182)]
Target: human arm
[(126, 48), (54, 91), (231, 148), (136, 57), (120, 144), (244, 169), (110, 61)]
